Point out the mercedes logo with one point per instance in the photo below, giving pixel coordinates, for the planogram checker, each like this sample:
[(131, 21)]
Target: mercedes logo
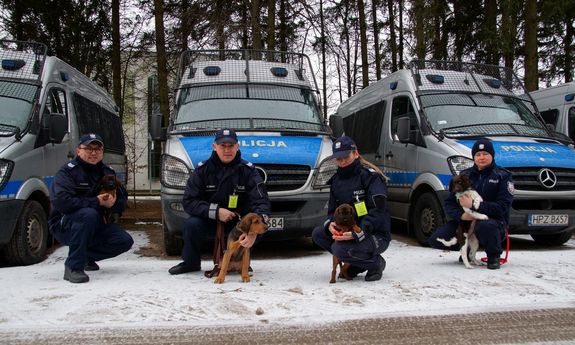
[(547, 178), (262, 173)]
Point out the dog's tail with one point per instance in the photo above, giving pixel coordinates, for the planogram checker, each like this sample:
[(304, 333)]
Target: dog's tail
[(451, 242)]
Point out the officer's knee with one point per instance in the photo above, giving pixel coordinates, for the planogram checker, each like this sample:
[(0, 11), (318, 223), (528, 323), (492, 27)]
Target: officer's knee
[(87, 214), (192, 226)]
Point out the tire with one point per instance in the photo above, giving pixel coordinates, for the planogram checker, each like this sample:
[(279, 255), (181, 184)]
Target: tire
[(172, 245), (552, 240), (427, 217), (30, 238)]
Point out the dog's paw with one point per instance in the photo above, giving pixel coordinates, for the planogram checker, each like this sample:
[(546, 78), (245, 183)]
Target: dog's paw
[(246, 279), (468, 266), (218, 280)]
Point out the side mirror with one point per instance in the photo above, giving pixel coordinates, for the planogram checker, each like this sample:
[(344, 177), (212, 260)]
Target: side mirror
[(403, 124), (157, 132), (57, 128), (336, 125)]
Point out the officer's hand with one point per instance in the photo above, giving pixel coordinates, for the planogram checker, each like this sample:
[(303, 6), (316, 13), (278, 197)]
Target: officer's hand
[(333, 228), (466, 216), (346, 236), (106, 200), (465, 201), (247, 241), (225, 215)]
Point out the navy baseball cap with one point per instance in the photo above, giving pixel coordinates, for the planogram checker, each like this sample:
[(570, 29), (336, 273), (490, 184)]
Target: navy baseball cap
[(342, 147), (483, 145), (226, 135), (90, 138)]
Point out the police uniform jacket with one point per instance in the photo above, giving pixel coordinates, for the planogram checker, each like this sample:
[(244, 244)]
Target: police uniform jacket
[(358, 183), (213, 182), (76, 186), (495, 186)]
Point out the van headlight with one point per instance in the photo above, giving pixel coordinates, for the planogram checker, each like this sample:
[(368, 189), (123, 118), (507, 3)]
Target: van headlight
[(175, 172), (324, 172), (459, 163), (6, 168)]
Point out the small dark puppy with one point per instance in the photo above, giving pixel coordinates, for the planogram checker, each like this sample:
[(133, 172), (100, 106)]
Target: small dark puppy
[(236, 257), (344, 218), (109, 184), (465, 234)]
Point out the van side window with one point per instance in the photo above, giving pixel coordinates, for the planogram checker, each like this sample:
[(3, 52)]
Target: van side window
[(402, 107), (56, 103), (364, 126), (550, 116), (571, 123), (93, 118)]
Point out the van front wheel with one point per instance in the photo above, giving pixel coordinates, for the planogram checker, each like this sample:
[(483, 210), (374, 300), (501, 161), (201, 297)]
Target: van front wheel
[(552, 239), (427, 216), (30, 239)]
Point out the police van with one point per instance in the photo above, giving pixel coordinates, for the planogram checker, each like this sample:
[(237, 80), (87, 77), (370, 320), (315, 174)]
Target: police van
[(45, 105), (557, 107), (270, 99), (419, 124)]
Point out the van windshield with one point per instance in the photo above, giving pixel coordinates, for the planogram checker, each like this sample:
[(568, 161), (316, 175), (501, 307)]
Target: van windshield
[(16, 101), (480, 114), (270, 106)]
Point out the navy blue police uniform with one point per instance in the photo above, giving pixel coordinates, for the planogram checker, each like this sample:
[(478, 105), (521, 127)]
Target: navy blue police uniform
[(495, 186), (76, 217), (352, 185), (236, 186)]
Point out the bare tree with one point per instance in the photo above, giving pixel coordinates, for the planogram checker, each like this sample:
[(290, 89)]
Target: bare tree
[(530, 27), (363, 43), (374, 5), (162, 59)]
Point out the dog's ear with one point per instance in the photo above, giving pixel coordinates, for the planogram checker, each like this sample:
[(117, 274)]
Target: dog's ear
[(452, 184), (244, 224)]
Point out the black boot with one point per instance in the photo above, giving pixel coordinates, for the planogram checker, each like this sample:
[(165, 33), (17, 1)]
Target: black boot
[(183, 268), (75, 276), (91, 266), (493, 263), (352, 272), (376, 274)]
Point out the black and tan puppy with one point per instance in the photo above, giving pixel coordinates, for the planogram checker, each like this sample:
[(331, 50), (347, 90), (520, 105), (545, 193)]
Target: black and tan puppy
[(344, 218), (109, 184), (237, 257)]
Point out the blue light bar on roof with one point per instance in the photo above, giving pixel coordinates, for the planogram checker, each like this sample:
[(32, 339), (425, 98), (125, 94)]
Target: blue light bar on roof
[(393, 85), (279, 72), (435, 78), (12, 65), (494, 83), (570, 97), (212, 70)]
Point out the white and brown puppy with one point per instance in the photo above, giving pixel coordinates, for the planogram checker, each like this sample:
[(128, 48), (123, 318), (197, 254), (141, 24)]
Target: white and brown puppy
[(465, 234)]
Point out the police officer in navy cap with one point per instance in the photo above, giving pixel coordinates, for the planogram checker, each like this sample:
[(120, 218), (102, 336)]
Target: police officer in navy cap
[(220, 188), (76, 219), (362, 185), (495, 186)]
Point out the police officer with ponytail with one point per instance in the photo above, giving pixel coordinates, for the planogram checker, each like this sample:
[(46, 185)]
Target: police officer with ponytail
[(361, 185)]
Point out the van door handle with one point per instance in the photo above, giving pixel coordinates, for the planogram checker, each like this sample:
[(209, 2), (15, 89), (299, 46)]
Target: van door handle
[(389, 155)]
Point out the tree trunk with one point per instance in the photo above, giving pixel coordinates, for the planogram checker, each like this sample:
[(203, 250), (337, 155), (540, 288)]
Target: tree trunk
[(323, 66), (418, 9), (256, 27), (568, 48), (162, 60), (531, 70), (400, 45), (363, 41), (491, 41), (271, 39), (185, 28), (283, 28), (374, 4), (392, 37), (508, 31), (116, 58)]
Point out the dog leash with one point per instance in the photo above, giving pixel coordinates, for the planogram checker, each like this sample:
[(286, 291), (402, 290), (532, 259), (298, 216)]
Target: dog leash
[(507, 246)]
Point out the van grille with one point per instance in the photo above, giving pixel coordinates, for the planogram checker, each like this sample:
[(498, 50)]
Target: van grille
[(283, 177), (529, 178)]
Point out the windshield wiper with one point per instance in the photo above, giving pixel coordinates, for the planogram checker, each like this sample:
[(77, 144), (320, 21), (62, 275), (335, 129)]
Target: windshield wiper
[(9, 130)]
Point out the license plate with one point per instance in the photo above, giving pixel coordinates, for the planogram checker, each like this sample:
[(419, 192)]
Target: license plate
[(276, 223), (548, 219)]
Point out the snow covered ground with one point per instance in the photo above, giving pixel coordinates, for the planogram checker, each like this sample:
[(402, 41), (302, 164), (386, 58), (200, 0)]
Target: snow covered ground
[(137, 291)]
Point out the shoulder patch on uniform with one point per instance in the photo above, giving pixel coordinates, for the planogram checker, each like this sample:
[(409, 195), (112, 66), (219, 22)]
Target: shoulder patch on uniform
[(201, 163), (70, 165), (510, 187), (250, 164), (371, 170)]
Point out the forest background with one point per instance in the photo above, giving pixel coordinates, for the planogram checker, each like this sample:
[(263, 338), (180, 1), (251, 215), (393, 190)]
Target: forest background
[(351, 42)]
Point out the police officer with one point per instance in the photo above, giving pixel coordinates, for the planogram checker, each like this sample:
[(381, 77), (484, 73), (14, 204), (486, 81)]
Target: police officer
[(219, 188), (495, 186), (76, 218), (362, 185)]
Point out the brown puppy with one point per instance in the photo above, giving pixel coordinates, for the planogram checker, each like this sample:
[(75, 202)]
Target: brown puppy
[(344, 218), (109, 184), (236, 257)]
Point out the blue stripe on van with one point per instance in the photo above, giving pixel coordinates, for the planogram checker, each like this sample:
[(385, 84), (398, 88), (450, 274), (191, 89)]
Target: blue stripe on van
[(261, 149), (530, 154), (12, 187)]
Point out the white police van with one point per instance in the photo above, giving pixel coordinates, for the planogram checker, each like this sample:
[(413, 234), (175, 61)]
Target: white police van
[(270, 99), (557, 107), (45, 105), (419, 125)]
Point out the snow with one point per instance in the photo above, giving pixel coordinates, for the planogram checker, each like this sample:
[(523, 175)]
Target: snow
[(138, 291)]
